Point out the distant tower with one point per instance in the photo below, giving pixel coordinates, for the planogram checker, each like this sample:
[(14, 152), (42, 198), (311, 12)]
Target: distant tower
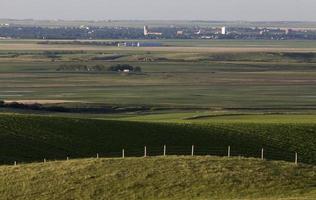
[(145, 30), (223, 30)]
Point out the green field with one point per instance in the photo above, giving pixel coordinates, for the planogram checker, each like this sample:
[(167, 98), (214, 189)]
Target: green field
[(159, 178), (175, 84), (227, 93), (26, 138), (273, 79), (246, 96)]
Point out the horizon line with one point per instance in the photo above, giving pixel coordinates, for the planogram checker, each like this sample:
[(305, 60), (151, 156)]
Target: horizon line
[(165, 20)]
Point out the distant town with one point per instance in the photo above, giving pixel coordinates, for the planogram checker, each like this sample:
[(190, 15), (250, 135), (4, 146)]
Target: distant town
[(16, 31)]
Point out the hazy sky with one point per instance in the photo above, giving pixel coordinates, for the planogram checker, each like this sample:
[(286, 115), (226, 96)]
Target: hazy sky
[(160, 9)]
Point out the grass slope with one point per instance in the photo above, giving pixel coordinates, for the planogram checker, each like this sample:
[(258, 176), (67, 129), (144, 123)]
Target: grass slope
[(159, 178), (26, 138)]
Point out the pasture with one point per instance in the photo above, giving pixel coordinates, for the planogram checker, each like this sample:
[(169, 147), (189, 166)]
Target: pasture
[(243, 99), (29, 138), (264, 78), (159, 178)]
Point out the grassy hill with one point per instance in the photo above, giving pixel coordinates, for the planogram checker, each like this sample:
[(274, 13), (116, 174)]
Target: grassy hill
[(159, 178), (27, 138)]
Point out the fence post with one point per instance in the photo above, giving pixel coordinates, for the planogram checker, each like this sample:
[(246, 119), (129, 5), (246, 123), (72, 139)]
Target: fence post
[(14, 163), (97, 155), (228, 152), (262, 156), (44, 160), (164, 150), (145, 151), (123, 153), (296, 158), (192, 150)]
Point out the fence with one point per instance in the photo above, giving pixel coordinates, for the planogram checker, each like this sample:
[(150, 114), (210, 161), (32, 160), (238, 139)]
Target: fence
[(229, 151)]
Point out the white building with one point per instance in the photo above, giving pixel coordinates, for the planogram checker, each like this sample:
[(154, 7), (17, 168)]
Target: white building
[(179, 32), (223, 30), (145, 30)]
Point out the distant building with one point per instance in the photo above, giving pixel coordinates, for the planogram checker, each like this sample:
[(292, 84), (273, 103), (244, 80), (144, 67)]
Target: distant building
[(223, 30), (84, 27), (139, 44), (5, 38), (147, 32), (4, 24), (198, 33), (287, 31), (148, 44), (127, 44), (179, 32)]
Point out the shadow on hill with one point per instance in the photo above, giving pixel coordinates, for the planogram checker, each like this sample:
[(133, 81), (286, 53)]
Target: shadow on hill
[(26, 138)]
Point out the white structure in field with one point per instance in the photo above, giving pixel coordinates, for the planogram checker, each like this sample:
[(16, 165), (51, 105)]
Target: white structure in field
[(147, 32), (126, 70), (223, 30)]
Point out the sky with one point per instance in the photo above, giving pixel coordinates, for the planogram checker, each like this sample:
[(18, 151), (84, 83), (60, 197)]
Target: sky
[(250, 10)]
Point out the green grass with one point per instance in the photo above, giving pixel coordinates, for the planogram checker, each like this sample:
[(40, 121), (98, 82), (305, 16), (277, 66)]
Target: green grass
[(26, 138), (159, 178), (174, 84), (220, 117), (229, 92), (274, 80)]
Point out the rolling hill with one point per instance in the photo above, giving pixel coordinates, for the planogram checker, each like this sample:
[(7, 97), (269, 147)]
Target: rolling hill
[(29, 138), (159, 178)]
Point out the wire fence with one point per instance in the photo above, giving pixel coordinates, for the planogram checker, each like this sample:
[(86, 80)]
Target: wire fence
[(193, 150)]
